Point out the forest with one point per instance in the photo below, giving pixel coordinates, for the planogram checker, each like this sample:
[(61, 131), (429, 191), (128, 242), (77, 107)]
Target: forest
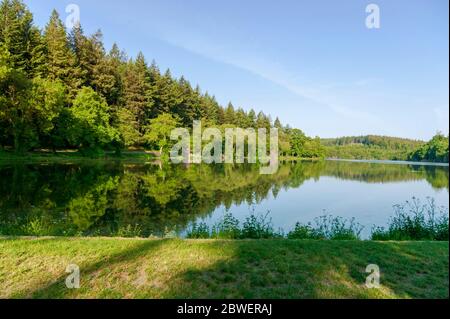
[(63, 90), (388, 148)]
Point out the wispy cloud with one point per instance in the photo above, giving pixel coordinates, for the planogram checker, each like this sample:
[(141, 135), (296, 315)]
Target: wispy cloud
[(271, 71)]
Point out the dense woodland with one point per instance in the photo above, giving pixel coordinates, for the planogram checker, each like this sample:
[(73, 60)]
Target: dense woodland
[(63, 90), (388, 148)]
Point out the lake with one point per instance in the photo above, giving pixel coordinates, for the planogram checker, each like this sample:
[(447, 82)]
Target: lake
[(120, 198)]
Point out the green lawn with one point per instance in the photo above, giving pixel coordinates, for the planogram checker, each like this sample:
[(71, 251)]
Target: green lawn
[(62, 156), (175, 268)]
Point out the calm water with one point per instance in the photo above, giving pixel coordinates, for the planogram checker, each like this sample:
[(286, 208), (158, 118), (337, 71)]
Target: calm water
[(118, 198)]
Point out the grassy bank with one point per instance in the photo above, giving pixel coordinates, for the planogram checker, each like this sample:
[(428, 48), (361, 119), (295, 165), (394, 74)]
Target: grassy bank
[(173, 268), (72, 156), (76, 155)]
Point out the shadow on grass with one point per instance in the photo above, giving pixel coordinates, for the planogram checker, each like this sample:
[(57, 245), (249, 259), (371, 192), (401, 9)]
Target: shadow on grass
[(58, 289), (264, 269), (302, 269)]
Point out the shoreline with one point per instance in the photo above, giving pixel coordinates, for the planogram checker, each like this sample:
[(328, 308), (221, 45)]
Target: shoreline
[(151, 155), (395, 162)]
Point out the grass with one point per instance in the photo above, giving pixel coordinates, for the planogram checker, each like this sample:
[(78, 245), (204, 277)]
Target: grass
[(175, 268), (8, 155), (73, 156)]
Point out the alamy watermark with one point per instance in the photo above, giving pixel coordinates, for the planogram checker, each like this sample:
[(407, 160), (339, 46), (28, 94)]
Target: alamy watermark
[(227, 148), (73, 280), (373, 20), (73, 18), (373, 280)]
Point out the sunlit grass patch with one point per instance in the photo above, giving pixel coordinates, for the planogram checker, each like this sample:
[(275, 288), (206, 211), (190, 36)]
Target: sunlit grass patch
[(174, 268)]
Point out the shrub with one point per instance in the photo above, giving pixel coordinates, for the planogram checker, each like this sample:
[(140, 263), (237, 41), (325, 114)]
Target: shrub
[(129, 231), (254, 227), (227, 228), (328, 228), (302, 231), (198, 231), (416, 221), (258, 227), (37, 227)]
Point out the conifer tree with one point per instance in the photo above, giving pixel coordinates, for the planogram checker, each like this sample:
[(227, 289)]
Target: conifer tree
[(21, 38), (229, 116), (252, 118), (61, 62), (116, 61), (136, 86), (55, 88)]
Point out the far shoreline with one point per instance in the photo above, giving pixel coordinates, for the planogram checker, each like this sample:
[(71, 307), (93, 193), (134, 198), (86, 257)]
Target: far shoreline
[(153, 155), (395, 162)]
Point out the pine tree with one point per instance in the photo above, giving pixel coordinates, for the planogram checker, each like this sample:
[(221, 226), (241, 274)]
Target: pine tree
[(38, 65), (116, 61), (166, 95), (277, 124), (102, 71), (61, 62), (38, 70), (21, 38), (252, 118), (229, 116), (210, 109), (136, 86), (79, 46), (188, 108), (241, 118)]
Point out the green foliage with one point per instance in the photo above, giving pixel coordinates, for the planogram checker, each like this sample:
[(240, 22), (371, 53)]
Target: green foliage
[(435, 150), (20, 37), (129, 231), (159, 129), (128, 127), (61, 62), (36, 227), (198, 231), (328, 228), (385, 142), (143, 103), (416, 221), (47, 102), (227, 228), (15, 111), (254, 227), (293, 142), (258, 227), (370, 147), (90, 127)]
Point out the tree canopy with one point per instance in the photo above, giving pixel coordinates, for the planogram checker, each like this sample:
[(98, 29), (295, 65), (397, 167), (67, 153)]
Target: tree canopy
[(61, 89)]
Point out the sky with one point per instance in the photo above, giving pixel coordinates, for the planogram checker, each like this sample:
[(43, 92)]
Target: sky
[(314, 64)]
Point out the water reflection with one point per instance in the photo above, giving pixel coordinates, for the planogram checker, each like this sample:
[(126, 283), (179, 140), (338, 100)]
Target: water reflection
[(118, 198)]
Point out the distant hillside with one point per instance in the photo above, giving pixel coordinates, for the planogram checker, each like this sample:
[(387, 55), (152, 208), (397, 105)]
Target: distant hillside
[(373, 140), (371, 147)]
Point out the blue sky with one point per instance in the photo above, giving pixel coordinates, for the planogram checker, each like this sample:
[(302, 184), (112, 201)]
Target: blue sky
[(314, 64)]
